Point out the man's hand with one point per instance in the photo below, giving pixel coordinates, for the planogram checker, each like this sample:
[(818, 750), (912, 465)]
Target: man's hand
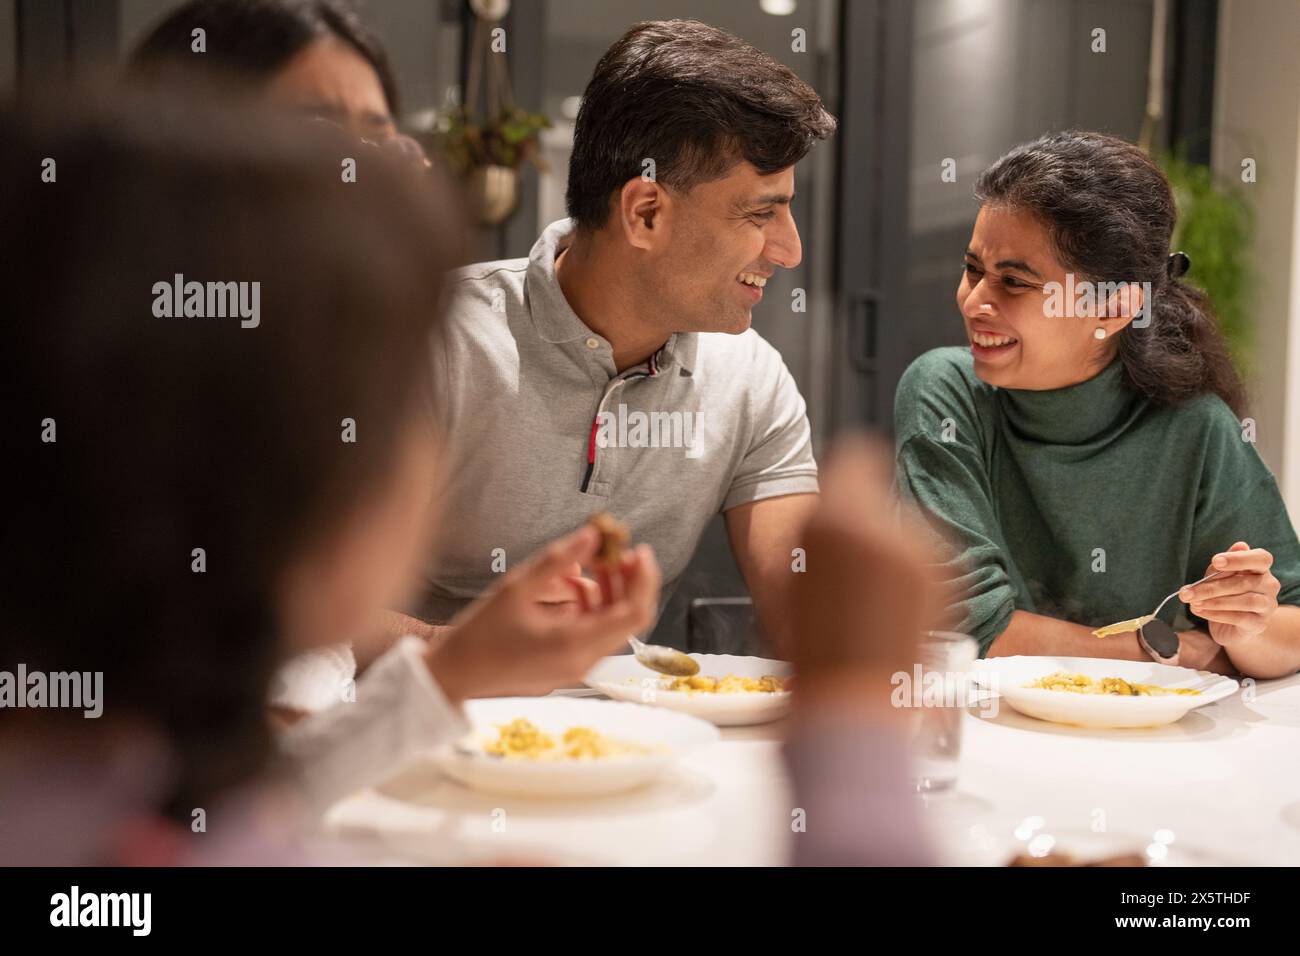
[(516, 638)]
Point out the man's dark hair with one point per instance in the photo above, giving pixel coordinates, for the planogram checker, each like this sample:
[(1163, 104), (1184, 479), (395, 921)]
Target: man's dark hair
[(254, 39), (696, 100)]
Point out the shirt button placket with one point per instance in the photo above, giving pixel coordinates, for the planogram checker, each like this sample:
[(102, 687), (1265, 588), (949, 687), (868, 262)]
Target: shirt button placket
[(604, 463)]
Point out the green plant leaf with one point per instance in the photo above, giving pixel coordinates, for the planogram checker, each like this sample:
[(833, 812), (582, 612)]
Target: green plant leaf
[(1214, 223)]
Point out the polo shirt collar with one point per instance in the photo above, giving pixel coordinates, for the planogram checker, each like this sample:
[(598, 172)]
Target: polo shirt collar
[(679, 350), (555, 320)]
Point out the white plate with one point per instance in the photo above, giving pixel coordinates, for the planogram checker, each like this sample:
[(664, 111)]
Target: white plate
[(1007, 676), (675, 734), (622, 678)]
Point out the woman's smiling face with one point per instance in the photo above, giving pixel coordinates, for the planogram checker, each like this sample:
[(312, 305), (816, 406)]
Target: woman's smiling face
[(1016, 341)]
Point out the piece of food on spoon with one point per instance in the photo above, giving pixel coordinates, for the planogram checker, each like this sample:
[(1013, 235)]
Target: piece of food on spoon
[(1123, 627), (667, 660)]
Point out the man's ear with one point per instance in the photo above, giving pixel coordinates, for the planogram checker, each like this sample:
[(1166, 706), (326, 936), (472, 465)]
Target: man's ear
[(1123, 307), (641, 204)]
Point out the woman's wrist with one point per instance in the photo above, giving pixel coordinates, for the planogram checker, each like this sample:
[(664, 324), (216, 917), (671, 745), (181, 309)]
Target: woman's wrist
[(1199, 651)]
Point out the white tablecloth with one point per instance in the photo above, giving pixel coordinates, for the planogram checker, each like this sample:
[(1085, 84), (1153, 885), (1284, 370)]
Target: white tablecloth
[(1223, 784)]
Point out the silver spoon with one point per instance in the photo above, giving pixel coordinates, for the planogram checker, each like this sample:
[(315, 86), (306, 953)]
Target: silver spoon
[(1157, 636), (665, 660)]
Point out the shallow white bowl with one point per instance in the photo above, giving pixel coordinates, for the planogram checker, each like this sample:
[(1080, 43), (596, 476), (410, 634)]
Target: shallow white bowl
[(622, 678), (676, 734), (1007, 676)]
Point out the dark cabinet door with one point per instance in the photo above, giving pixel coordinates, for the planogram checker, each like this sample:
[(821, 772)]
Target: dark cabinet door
[(874, 147)]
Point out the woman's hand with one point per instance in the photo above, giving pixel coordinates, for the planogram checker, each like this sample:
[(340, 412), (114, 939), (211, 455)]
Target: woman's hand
[(516, 639), (1239, 604)]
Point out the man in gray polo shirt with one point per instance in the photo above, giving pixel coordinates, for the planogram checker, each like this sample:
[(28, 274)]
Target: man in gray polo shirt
[(615, 369)]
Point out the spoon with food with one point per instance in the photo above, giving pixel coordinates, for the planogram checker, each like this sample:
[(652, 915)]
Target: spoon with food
[(614, 538), (665, 660), (1157, 638)]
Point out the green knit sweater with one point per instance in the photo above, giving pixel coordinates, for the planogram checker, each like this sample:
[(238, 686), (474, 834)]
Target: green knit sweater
[(1087, 503)]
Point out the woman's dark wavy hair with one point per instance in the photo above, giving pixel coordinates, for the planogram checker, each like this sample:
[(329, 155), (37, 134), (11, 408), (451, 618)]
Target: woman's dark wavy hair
[(179, 433), (1110, 214), (254, 39)]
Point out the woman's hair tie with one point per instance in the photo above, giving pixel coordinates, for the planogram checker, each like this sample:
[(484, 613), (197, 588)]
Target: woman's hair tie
[(1177, 265)]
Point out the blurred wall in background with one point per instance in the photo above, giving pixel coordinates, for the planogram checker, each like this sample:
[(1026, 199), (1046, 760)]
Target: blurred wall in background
[(1257, 115)]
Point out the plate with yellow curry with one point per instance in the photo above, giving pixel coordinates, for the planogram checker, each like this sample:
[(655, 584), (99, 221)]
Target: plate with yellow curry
[(567, 747), (729, 690), (1099, 692)]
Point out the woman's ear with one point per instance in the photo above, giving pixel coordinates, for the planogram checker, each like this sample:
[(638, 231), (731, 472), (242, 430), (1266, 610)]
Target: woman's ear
[(1125, 304)]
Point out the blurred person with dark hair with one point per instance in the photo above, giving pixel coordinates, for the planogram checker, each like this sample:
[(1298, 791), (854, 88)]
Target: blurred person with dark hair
[(221, 439), (615, 367), (311, 58), (316, 57)]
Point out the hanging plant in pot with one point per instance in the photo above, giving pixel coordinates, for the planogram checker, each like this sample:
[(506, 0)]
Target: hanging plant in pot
[(487, 152)]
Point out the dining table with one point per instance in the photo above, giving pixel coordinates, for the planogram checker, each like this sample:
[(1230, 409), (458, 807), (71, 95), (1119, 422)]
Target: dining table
[(1219, 787)]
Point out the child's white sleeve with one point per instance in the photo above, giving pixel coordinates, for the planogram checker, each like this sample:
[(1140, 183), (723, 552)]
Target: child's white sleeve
[(399, 711), (315, 680)]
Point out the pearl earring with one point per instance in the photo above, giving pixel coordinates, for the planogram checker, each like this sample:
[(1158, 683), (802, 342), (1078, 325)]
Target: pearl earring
[(1099, 334)]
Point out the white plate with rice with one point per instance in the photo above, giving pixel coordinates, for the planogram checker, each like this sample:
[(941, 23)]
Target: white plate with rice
[(623, 678), (619, 746), (1012, 678)]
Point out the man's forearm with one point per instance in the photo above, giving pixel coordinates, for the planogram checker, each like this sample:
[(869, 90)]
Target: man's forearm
[(764, 535), (1275, 652)]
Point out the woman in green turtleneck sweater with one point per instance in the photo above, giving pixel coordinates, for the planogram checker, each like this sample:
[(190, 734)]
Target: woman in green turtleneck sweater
[(1084, 459)]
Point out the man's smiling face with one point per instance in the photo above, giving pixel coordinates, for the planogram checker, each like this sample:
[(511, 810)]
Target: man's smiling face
[(727, 237)]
